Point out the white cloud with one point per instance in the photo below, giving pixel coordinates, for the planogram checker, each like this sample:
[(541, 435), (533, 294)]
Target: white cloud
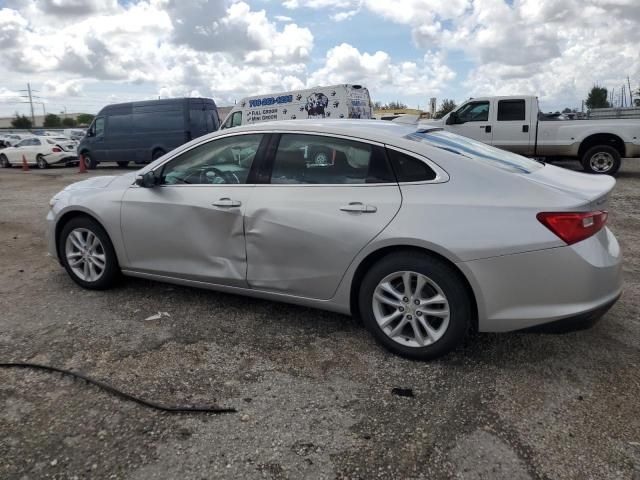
[(345, 15), (283, 18)]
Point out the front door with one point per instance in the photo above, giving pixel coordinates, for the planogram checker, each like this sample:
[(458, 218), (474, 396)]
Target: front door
[(327, 198), (191, 225), (473, 122)]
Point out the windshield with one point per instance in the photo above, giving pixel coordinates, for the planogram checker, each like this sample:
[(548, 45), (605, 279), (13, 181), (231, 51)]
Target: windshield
[(476, 150)]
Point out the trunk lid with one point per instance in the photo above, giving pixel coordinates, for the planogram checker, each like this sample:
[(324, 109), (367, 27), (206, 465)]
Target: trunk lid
[(592, 191)]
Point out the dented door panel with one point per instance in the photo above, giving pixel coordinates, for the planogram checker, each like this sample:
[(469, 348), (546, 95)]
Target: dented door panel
[(177, 230)]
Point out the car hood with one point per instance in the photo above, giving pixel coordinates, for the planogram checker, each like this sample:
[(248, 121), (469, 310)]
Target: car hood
[(107, 181)]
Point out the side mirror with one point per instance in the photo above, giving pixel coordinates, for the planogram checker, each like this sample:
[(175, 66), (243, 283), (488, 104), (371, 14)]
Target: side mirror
[(148, 180), (452, 119)]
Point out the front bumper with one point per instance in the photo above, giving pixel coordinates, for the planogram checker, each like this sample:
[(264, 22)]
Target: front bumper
[(519, 291)]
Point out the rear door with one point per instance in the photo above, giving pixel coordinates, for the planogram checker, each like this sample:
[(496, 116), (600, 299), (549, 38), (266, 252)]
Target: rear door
[(326, 198), (473, 121), (511, 129)]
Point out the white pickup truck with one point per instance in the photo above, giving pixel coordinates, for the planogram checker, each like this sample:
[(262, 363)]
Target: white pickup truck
[(516, 124)]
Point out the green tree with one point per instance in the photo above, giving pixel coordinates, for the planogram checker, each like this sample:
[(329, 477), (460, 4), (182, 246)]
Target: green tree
[(69, 122), (597, 98), (21, 121), (446, 106), (567, 110), (84, 119), (52, 120)]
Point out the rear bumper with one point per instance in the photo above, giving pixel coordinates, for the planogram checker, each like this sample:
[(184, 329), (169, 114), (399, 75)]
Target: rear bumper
[(515, 292), (63, 157)]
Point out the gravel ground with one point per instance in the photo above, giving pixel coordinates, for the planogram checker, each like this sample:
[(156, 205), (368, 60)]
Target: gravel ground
[(312, 389)]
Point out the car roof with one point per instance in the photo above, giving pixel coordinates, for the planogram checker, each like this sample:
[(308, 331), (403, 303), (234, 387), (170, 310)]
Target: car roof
[(377, 130)]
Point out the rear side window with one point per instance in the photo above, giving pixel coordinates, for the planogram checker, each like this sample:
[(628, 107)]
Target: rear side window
[(410, 169), (511, 110), (315, 159)]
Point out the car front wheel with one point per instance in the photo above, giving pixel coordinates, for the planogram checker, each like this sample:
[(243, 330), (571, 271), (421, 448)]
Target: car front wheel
[(4, 162), (87, 254), (415, 305)]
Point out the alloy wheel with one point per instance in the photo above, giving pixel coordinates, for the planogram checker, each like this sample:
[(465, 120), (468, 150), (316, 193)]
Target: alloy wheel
[(411, 309), (85, 254)]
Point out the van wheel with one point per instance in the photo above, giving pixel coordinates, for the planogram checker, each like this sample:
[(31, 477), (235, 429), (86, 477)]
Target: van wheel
[(415, 305), (89, 162), (122, 164), (157, 154), (601, 159)]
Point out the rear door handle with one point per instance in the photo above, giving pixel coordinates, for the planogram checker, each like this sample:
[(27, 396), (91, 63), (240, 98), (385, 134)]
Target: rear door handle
[(358, 207), (487, 128), (525, 128), (227, 203)]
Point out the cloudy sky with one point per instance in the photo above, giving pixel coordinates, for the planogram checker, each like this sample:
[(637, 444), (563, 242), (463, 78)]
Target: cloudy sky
[(83, 54)]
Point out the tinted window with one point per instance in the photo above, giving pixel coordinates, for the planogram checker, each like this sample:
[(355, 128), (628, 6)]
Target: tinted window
[(470, 148), (510, 110), (158, 121), (474, 112), (120, 124), (224, 161), (312, 159), (236, 119), (410, 169), (98, 126)]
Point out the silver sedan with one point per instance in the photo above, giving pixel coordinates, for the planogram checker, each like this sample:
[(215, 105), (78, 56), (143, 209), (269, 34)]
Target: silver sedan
[(421, 233)]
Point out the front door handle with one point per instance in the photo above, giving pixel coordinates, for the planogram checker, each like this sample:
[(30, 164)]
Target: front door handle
[(358, 207), (487, 128), (227, 203)]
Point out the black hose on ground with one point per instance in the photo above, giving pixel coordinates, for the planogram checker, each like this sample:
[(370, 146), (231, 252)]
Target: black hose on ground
[(118, 393)]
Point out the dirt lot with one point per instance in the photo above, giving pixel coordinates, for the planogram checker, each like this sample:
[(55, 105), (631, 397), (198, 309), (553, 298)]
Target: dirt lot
[(312, 389)]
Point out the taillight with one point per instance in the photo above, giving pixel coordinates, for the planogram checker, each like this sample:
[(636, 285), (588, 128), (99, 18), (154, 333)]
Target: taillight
[(56, 149), (573, 227)]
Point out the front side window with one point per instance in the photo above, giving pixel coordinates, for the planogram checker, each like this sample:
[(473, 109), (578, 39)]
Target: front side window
[(98, 127), (224, 161), (474, 112), (511, 110), (24, 143), (236, 119), (314, 159)]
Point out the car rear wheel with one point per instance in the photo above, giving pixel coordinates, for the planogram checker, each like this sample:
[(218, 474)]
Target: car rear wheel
[(602, 159), (87, 254), (415, 305), (41, 162), (122, 164), (4, 161)]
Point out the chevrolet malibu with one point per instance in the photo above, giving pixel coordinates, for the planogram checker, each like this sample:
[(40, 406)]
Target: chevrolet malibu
[(421, 233)]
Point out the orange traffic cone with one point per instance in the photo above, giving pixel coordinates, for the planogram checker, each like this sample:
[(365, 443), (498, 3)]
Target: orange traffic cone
[(83, 167), (25, 165)]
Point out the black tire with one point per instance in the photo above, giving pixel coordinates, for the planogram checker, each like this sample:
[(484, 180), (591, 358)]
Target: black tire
[(449, 281), (4, 161), (591, 160), (157, 153), (89, 162), (111, 271), (123, 164), (41, 162)]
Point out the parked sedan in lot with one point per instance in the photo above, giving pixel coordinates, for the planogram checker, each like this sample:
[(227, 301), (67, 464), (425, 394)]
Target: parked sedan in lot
[(41, 151), (422, 233)]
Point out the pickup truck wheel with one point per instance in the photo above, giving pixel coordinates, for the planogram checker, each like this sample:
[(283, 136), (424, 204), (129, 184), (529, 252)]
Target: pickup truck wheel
[(601, 159)]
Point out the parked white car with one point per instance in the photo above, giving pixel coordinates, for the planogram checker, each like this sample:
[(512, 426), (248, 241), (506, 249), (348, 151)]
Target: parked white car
[(40, 151), (516, 124), (12, 139)]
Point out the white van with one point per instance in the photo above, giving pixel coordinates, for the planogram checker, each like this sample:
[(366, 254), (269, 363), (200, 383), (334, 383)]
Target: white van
[(336, 101)]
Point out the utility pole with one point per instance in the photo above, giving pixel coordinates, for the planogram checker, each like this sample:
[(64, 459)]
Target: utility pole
[(630, 92), (30, 97)]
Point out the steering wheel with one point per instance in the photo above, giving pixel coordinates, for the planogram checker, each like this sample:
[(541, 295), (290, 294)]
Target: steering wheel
[(213, 175)]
